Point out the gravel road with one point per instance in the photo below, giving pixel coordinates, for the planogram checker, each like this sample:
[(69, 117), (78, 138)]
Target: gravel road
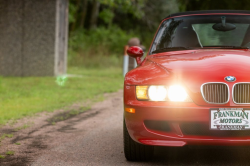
[(94, 137)]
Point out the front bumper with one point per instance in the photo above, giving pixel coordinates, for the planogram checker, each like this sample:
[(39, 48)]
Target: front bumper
[(169, 124)]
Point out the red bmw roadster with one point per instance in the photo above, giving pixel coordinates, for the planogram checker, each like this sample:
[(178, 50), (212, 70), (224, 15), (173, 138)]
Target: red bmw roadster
[(193, 87)]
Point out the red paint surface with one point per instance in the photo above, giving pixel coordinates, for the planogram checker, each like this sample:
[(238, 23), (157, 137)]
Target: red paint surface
[(193, 68), (190, 68), (174, 113), (136, 52)]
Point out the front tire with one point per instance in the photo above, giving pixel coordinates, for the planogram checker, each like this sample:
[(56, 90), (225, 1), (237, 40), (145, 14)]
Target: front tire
[(134, 151)]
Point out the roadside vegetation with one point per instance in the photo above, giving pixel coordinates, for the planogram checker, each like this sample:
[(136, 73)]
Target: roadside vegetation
[(25, 96), (99, 29)]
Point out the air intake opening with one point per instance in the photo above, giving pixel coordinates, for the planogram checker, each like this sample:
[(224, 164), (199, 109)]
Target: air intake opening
[(157, 125)]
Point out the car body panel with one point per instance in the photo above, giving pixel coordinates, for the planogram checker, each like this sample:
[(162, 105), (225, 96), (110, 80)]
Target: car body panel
[(175, 114), (190, 68)]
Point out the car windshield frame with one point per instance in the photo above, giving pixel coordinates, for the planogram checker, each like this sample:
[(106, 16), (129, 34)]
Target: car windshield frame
[(170, 25)]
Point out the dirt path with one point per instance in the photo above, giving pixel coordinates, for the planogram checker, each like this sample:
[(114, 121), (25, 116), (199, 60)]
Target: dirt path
[(49, 134)]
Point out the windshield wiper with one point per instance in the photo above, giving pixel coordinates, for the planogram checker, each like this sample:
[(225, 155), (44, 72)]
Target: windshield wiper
[(227, 47), (171, 49)]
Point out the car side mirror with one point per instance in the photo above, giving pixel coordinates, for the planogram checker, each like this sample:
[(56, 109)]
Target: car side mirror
[(136, 52)]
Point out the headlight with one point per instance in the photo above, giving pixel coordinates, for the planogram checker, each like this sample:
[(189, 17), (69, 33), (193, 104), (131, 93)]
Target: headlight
[(175, 93), (157, 93)]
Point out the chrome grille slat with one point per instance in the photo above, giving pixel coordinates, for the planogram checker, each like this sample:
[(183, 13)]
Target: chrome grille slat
[(213, 93), (247, 94), (220, 93), (241, 92), (216, 93), (244, 92), (223, 97)]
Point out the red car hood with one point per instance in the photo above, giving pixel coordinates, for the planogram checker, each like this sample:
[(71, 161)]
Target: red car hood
[(206, 65), (193, 68), (198, 67)]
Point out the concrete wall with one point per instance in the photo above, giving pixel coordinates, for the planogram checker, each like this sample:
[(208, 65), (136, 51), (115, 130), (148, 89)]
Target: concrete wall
[(33, 37)]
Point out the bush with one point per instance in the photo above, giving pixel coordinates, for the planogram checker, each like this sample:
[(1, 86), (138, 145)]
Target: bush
[(97, 48)]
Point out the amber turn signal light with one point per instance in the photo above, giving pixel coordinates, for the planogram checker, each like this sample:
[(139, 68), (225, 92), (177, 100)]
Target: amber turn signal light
[(142, 92), (130, 110)]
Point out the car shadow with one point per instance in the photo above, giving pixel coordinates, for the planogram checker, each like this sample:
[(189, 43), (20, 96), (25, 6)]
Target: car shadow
[(201, 155)]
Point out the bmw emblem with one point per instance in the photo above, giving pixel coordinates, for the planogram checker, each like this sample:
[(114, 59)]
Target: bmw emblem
[(230, 78)]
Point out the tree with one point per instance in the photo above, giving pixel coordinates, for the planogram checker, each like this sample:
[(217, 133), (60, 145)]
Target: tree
[(102, 9), (84, 13), (94, 14), (155, 11)]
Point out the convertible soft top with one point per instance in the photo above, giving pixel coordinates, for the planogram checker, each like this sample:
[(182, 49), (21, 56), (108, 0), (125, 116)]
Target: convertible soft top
[(208, 11)]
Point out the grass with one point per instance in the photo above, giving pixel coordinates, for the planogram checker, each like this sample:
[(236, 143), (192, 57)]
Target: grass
[(86, 58), (5, 135), (24, 96), (9, 152), (66, 115), (22, 127)]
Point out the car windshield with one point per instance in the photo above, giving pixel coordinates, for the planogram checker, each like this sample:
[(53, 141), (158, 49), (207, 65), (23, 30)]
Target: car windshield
[(204, 31)]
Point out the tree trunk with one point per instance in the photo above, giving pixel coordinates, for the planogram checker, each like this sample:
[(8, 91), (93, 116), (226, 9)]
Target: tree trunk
[(94, 14), (73, 27), (84, 12)]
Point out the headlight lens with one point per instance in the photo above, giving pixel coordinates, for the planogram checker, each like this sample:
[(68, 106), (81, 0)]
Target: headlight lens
[(175, 93), (157, 93)]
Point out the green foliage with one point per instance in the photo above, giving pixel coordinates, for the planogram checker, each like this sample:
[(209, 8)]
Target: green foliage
[(126, 6), (107, 16), (112, 39), (100, 47), (119, 20), (72, 12), (155, 11)]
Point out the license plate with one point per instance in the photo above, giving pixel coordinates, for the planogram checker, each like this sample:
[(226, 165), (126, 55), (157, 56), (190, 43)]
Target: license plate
[(230, 119)]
